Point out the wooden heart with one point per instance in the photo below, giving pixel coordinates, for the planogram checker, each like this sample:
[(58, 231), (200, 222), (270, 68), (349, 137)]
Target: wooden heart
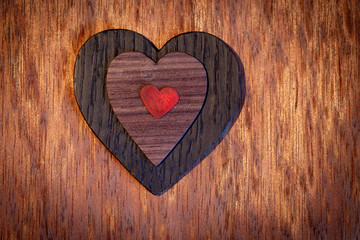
[(159, 102), (129, 76), (223, 102)]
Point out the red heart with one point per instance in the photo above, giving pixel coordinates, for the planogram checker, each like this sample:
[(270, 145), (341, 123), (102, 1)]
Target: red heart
[(158, 103)]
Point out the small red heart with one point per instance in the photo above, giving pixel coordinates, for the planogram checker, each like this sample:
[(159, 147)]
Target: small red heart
[(158, 103)]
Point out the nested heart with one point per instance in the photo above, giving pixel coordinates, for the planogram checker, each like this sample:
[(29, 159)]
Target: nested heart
[(158, 102), (223, 102), (127, 75)]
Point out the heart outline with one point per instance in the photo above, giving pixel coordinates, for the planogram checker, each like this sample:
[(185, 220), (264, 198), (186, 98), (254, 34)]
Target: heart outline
[(225, 74)]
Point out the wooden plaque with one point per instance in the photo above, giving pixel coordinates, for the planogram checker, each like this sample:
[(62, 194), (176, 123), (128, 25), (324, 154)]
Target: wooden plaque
[(223, 101)]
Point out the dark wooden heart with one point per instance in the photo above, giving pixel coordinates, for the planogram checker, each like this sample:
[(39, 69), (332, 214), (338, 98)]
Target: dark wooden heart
[(132, 75), (224, 100)]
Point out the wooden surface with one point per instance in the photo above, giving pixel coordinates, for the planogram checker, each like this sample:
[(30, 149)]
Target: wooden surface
[(288, 169), (223, 103), (131, 71)]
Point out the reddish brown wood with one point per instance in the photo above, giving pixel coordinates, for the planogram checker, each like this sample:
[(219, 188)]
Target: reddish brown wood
[(158, 102), (288, 169), (131, 71)]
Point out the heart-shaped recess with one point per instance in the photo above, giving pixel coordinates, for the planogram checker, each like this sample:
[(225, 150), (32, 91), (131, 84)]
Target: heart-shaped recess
[(223, 102), (133, 77)]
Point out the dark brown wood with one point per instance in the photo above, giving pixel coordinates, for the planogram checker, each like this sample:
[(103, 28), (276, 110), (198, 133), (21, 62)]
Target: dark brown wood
[(129, 72), (224, 100), (288, 168)]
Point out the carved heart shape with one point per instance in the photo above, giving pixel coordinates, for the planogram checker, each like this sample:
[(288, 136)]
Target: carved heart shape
[(132, 74), (223, 102), (158, 103)]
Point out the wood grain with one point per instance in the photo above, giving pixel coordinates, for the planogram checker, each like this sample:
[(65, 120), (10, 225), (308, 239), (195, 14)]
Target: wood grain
[(129, 72), (288, 169)]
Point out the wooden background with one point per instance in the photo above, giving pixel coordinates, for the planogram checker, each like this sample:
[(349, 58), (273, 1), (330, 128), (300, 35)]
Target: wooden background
[(288, 169)]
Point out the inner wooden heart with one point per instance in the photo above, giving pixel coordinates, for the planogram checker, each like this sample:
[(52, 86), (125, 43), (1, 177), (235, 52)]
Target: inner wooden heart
[(129, 72)]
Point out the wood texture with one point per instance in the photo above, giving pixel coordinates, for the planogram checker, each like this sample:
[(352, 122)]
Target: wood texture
[(222, 105), (288, 169), (129, 72)]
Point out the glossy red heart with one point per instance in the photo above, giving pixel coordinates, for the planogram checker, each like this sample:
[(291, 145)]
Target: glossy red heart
[(158, 103)]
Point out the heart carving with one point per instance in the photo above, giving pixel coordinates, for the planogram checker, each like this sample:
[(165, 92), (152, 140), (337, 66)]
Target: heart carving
[(158, 103), (224, 99), (133, 80)]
